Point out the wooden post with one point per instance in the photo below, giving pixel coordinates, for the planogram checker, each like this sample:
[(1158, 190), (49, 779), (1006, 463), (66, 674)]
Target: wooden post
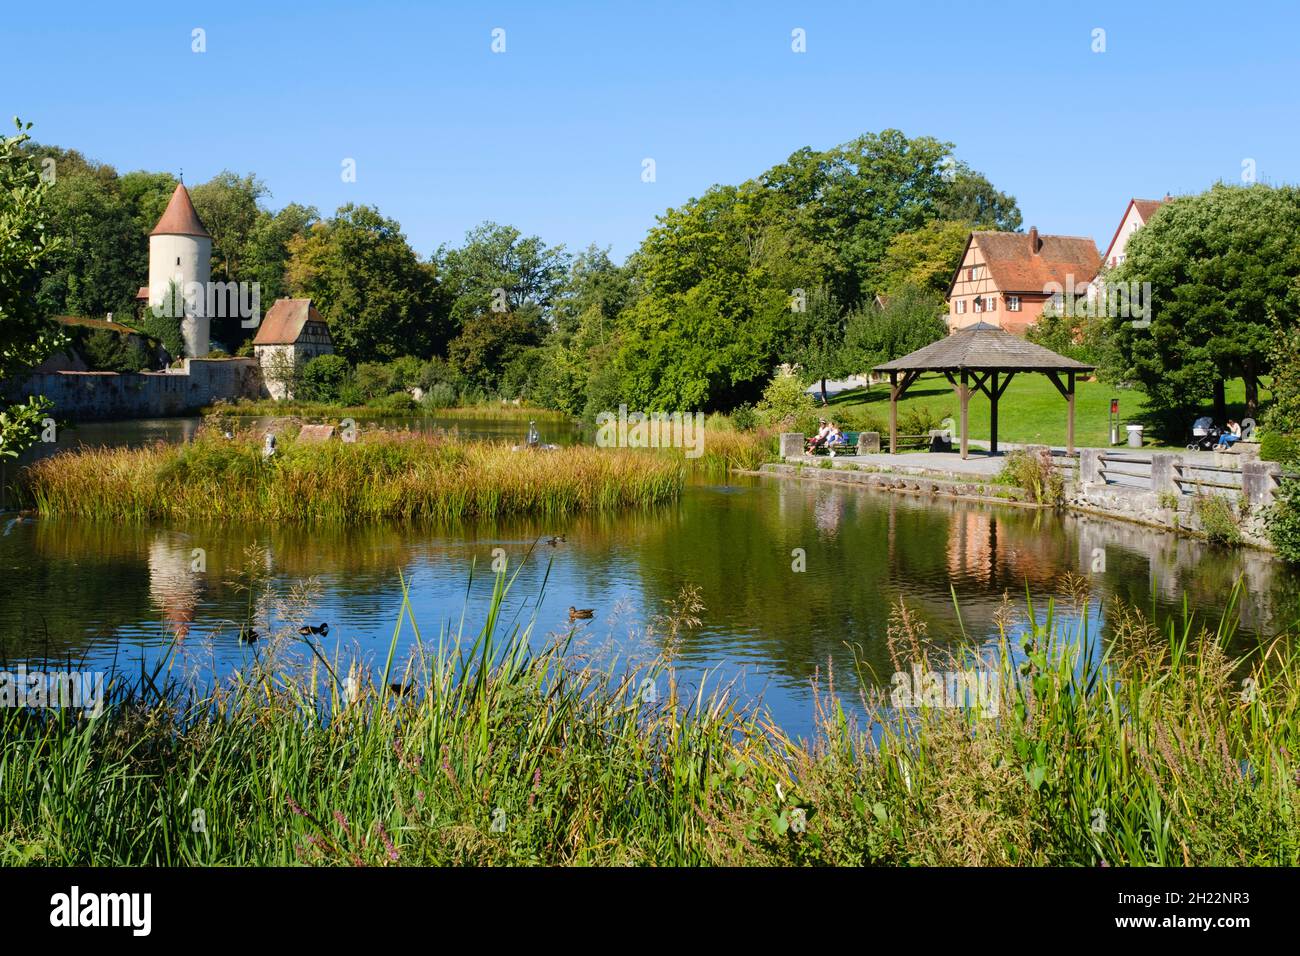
[(1069, 428), (993, 415), (893, 413), (964, 393)]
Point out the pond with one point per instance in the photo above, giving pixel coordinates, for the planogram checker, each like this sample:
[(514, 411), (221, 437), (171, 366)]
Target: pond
[(117, 595)]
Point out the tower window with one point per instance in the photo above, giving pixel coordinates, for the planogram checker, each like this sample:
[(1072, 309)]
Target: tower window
[(178, 260)]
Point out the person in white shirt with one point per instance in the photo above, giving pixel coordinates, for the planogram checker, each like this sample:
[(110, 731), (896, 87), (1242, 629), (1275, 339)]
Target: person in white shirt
[(823, 432)]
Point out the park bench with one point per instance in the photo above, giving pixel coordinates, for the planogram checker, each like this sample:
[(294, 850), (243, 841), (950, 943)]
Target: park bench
[(932, 440), (850, 446)]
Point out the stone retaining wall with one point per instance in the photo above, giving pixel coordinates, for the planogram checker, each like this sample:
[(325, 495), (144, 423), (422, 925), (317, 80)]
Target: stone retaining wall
[(86, 396), (890, 481)]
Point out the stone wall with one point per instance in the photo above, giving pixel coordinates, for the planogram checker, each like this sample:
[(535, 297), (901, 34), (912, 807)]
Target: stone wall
[(86, 396)]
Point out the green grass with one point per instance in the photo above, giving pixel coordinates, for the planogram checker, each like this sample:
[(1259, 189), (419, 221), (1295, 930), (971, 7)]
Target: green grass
[(1163, 752), (1031, 410)]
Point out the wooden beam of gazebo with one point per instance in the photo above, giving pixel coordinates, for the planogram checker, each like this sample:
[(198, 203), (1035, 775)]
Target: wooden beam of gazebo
[(983, 358)]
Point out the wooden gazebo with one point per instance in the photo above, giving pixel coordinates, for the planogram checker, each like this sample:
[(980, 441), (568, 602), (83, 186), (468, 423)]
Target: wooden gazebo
[(982, 357)]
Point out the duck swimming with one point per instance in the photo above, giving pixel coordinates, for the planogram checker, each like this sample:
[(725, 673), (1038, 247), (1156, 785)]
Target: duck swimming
[(581, 613)]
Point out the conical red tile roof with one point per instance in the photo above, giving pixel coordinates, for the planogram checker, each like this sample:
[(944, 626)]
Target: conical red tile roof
[(180, 219)]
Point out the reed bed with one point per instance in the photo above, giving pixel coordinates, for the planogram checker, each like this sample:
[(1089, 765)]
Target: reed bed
[(383, 475), (483, 751), (729, 449)]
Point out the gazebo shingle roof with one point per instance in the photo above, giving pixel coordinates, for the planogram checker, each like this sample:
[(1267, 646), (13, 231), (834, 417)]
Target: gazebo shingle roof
[(983, 347)]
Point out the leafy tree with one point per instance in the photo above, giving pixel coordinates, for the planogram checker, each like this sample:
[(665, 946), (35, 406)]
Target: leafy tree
[(819, 339), (227, 204), (714, 277), (266, 254), (26, 247), (1218, 265), (971, 198), (595, 288), (926, 258), (99, 264), (380, 300), (107, 351), (1283, 416), (496, 257), (146, 195), (911, 319), (490, 340)]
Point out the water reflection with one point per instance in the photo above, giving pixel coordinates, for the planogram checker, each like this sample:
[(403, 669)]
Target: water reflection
[(121, 592)]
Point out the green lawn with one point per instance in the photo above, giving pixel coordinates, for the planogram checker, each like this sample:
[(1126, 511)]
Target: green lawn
[(1031, 409)]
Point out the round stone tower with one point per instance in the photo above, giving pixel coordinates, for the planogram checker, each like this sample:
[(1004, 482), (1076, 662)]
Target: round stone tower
[(180, 252)]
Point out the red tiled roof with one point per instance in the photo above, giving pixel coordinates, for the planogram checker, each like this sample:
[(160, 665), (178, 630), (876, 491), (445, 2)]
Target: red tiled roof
[(180, 219), (1147, 207), (284, 321), (1015, 268)]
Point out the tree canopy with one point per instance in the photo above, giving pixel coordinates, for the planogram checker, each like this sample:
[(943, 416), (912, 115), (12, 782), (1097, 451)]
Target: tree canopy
[(1220, 267)]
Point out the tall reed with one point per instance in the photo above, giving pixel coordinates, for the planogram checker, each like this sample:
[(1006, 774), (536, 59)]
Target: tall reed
[(484, 749), (399, 475)]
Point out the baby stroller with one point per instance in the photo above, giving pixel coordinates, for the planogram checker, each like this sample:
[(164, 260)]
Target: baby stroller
[(1205, 434)]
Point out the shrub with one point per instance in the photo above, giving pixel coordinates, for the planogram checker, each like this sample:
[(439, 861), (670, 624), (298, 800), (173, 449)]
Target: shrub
[(350, 395), (322, 378), (373, 379), (439, 395), (745, 418), (438, 371), (785, 404), (1033, 472), (1283, 521), (396, 402), (1218, 520), (1279, 446), (405, 372), (859, 419), (918, 420)]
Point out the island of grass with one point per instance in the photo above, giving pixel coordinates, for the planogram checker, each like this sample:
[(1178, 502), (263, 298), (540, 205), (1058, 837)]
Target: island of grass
[(384, 474)]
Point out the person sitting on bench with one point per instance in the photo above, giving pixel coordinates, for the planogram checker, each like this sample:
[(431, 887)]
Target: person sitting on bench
[(1232, 434), (823, 431), (835, 439)]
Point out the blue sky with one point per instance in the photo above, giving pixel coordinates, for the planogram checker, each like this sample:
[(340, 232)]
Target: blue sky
[(550, 135)]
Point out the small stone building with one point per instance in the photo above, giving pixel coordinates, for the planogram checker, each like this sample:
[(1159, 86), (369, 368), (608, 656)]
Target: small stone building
[(291, 334)]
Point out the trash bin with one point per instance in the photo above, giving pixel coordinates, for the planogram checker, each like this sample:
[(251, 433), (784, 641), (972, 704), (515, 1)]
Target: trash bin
[(1134, 435)]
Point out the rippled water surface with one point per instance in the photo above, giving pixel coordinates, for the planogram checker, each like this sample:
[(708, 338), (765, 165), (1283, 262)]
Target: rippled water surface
[(121, 594)]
